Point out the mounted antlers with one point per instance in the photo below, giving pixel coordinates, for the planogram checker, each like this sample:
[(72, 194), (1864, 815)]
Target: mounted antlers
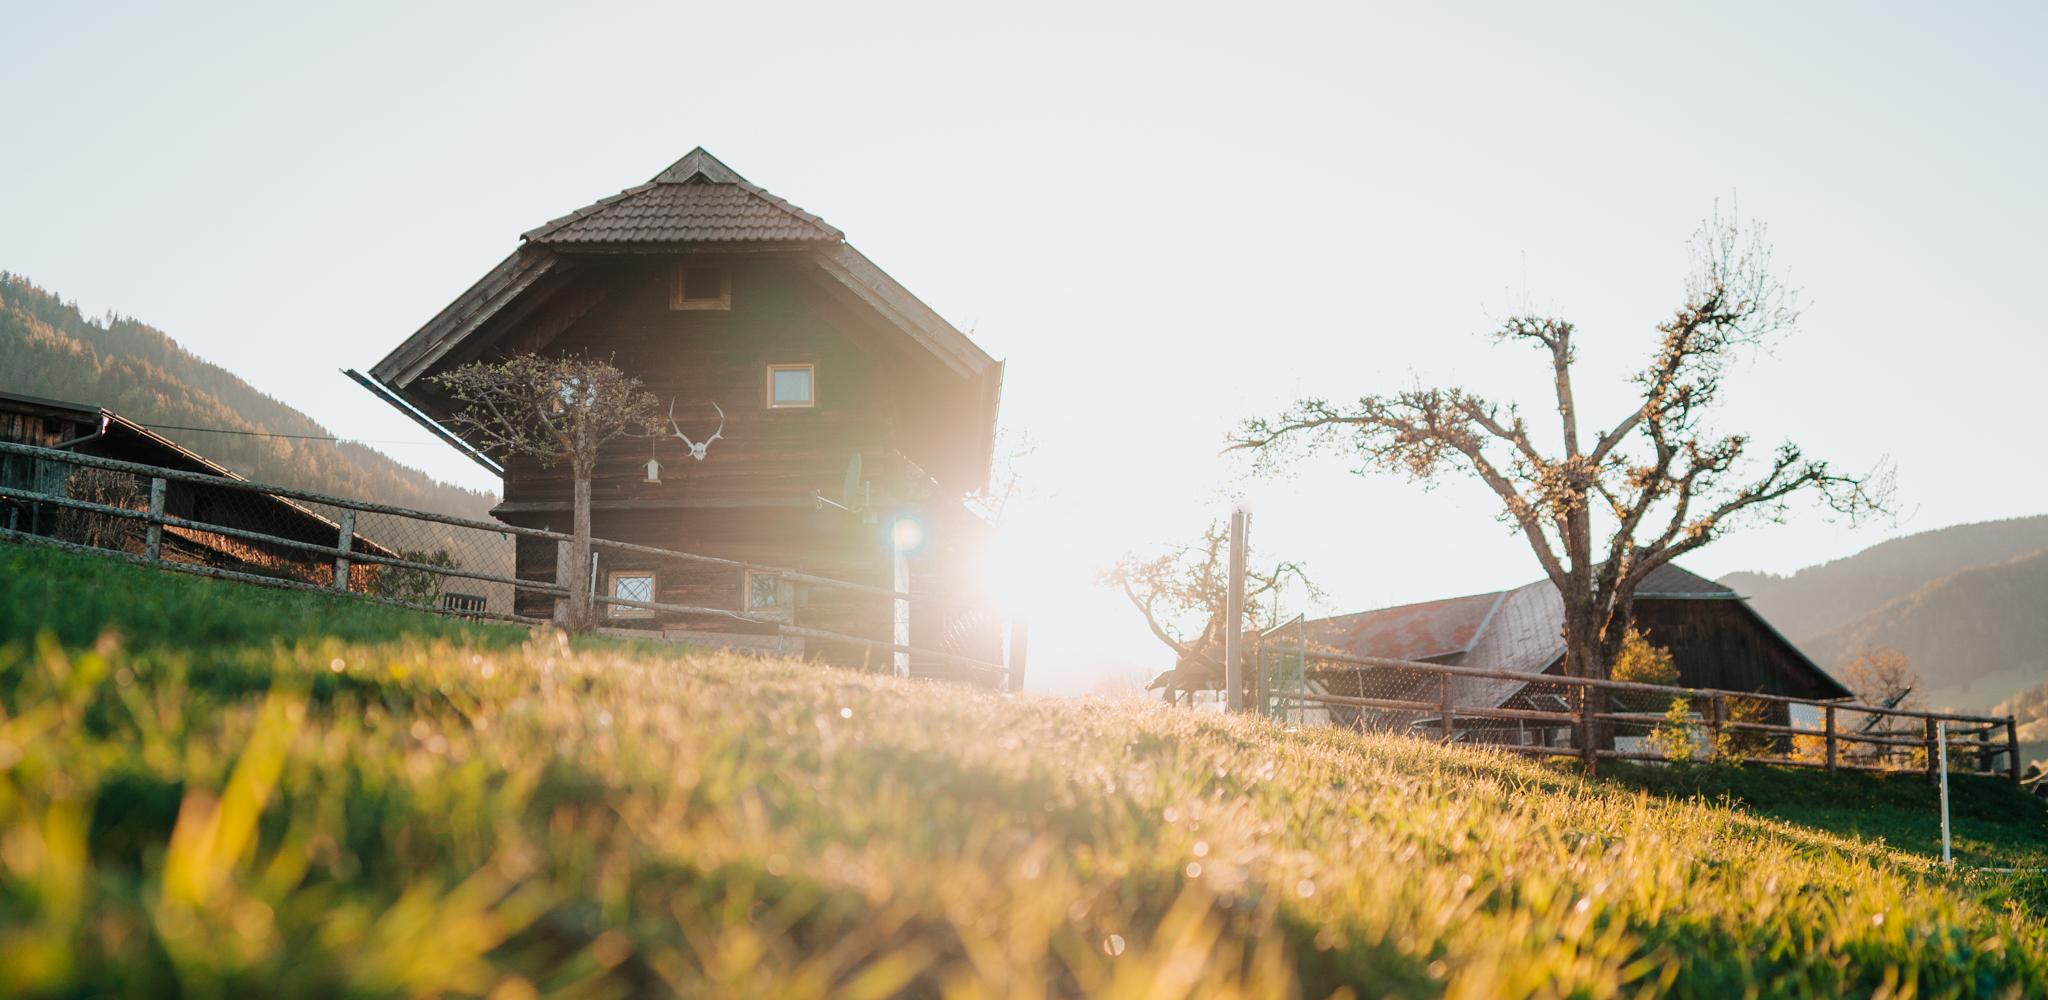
[(697, 448)]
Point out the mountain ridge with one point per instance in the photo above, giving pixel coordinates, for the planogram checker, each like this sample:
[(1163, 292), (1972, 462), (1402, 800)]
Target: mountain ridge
[(1964, 603)]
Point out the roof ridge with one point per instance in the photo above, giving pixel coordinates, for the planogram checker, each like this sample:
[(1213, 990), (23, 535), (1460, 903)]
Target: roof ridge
[(695, 162), (1415, 604), (696, 166), (1479, 630)]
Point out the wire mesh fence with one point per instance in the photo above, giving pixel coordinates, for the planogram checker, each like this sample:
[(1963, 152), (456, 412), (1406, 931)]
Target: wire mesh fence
[(205, 523)]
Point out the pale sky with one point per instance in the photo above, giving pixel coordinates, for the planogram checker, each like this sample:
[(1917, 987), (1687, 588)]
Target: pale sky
[(1165, 219)]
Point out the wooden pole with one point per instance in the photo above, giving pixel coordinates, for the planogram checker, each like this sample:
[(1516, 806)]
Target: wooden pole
[(348, 537), (1927, 730), (154, 540), (1829, 711), (1443, 704), (1020, 643), (1233, 617), (2012, 749), (1714, 715), (1588, 752)]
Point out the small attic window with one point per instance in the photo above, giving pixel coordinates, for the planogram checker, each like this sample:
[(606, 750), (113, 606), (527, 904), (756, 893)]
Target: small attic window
[(701, 286), (791, 387)]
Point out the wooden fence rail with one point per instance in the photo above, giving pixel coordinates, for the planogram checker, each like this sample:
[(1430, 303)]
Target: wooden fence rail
[(1589, 733), (344, 554)]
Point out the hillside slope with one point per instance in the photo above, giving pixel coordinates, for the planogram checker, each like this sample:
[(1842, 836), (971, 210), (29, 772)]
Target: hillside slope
[(1832, 594), (284, 793), (1975, 637), (48, 349)]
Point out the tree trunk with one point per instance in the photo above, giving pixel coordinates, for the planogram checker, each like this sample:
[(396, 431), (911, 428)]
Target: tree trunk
[(1586, 654), (581, 615)]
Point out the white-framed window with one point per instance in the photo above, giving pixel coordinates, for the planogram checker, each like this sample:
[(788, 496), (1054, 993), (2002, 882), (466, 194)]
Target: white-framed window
[(701, 286), (792, 387), (764, 593), (630, 585)]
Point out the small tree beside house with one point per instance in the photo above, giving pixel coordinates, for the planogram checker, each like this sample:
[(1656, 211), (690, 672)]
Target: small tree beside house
[(1601, 510), (553, 410), (1182, 596)]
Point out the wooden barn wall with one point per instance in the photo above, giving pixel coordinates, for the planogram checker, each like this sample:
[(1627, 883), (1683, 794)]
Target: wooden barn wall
[(1720, 644)]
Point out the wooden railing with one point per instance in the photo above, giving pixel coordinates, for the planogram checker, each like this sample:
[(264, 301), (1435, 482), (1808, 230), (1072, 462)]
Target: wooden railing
[(345, 553), (1589, 722)]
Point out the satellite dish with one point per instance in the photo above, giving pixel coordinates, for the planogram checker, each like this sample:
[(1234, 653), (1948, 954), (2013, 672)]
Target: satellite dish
[(853, 490), (850, 489)]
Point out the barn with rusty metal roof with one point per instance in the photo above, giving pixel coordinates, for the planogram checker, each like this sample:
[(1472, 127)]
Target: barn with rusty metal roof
[(1717, 640)]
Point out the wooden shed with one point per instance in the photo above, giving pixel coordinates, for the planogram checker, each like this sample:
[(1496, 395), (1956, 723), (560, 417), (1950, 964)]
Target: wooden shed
[(91, 430)]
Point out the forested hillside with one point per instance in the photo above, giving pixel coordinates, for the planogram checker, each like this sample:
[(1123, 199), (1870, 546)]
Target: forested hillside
[(2030, 708), (1965, 604), (1975, 637), (48, 349), (1832, 594)]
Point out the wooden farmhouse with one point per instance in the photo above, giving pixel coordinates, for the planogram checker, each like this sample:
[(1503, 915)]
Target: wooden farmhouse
[(825, 419), (91, 430), (1716, 641)]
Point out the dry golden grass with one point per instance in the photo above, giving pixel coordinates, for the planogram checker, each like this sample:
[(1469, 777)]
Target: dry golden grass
[(460, 814)]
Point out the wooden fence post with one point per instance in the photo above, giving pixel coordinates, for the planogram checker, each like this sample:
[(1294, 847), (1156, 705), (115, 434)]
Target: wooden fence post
[(154, 537), (1443, 704), (1927, 741), (1589, 751), (348, 537), (1829, 711), (1714, 716), (2012, 749)]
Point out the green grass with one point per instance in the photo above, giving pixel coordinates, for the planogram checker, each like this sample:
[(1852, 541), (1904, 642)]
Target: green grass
[(275, 793)]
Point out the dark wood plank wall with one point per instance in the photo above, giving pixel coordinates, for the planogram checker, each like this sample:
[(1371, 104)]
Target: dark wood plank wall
[(1720, 644), (750, 499), (865, 394)]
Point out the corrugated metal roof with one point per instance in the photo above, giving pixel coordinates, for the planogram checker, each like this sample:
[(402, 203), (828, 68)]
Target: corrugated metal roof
[(696, 200), (1525, 635)]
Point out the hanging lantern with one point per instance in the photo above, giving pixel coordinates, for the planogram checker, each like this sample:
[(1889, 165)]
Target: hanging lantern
[(653, 464)]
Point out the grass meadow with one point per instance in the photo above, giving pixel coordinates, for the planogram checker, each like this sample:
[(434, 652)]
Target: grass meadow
[(210, 789)]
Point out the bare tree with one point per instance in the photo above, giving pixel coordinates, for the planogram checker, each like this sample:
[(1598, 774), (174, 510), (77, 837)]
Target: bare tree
[(1182, 596), (1883, 676), (1659, 480), (1006, 480), (553, 410)]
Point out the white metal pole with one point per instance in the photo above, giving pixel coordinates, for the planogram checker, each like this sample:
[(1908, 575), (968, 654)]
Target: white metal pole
[(1941, 740), (899, 618)]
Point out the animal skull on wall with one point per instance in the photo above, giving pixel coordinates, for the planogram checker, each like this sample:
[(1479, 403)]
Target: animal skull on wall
[(697, 448)]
